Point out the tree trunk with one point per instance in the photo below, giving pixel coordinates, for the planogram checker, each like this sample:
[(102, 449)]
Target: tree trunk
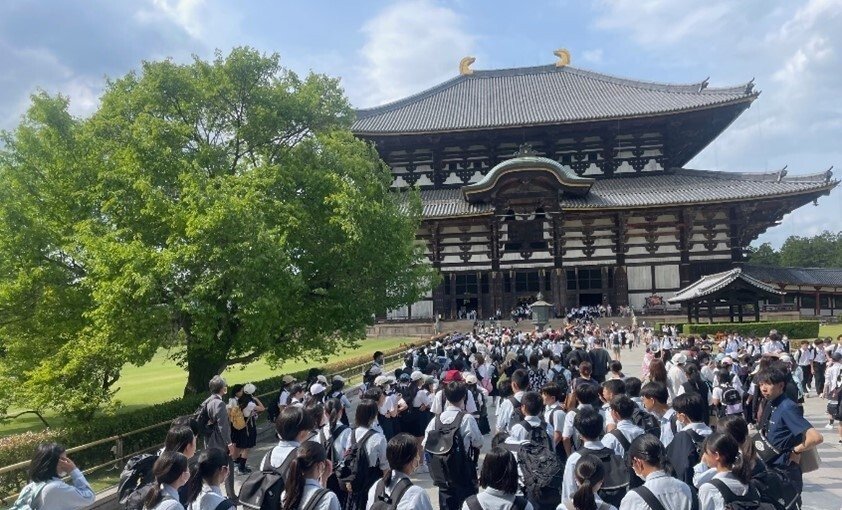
[(202, 365)]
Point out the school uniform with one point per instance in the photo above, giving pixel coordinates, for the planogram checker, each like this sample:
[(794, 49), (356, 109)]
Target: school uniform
[(711, 499), (439, 403), (629, 430), (495, 499), (671, 492), (375, 450), (454, 495), (667, 434), (62, 496), (208, 499), (519, 432), (279, 453), (328, 500), (169, 500), (554, 416), (568, 431), (415, 497), (568, 484)]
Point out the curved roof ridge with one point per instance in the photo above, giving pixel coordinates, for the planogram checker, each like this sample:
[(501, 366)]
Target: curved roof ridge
[(721, 174), (799, 268), (682, 88)]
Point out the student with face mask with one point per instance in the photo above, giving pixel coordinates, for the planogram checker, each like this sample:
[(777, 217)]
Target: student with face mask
[(308, 472), (648, 460), (47, 490)]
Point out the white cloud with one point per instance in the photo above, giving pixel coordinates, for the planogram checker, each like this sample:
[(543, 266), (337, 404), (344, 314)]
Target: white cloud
[(410, 46), (795, 53), (592, 56)]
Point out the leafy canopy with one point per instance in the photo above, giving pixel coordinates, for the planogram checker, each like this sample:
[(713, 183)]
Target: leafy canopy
[(223, 207), (822, 250)]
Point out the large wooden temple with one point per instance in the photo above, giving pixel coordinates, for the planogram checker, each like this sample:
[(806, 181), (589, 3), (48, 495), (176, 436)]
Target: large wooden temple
[(572, 183)]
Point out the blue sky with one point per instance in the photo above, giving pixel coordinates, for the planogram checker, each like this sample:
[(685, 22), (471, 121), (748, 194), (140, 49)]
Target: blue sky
[(384, 50)]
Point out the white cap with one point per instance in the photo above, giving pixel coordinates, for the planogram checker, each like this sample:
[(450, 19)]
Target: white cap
[(322, 379), (317, 388), (249, 389), (383, 379), (679, 358), (338, 378), (417, 375)]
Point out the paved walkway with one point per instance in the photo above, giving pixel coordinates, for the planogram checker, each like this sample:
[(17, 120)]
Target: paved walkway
[(822, 489)]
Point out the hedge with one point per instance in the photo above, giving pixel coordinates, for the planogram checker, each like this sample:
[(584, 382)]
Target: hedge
[(19, 447), (792, 329)]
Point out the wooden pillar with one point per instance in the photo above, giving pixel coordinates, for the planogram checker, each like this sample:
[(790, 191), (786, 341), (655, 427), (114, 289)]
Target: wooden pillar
[(734, 236), (740, 312), (454, 306), (689, 312), (710, 312), (818, 306), (757, 311), (730, 313), (697, 306), (496, 282), (604, 289), (685, 234), (480, 306), (621, 281)]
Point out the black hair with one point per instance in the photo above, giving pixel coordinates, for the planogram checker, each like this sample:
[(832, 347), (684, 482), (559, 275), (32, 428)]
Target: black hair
[(316, 410), (520, 378), (649, 449), (186, 421), (499, 471), (208, 463), (554, 390), (615, 386), (499, 439), (656, 391), (588, 423), (376, 355), (178, 439), (333, 408), (771, 375), (531, 400), (233, 390), (400, 451), (336, 385), (616, 366), (692, 405), (731, 454), (589, 471), (296, 388), (736, 426), (633, 387), (169, 467), (374, 393), (292, 421), (587, 394), (623, 406), (585, 369), (694, 377), (366, 413), (455, 392), (44, 464), (307, 455)]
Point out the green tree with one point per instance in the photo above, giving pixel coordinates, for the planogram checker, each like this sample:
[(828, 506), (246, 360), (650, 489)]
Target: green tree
[(763, 255), (223, 206)]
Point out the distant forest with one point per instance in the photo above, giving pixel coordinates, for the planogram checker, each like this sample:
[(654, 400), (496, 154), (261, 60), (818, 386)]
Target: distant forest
[(823, 250)]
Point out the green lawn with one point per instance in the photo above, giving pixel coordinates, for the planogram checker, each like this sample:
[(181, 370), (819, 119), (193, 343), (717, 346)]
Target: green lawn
[(161, 380), (831, 330)]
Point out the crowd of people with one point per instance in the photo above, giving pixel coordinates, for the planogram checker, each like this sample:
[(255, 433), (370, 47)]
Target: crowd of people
[(502, 419)]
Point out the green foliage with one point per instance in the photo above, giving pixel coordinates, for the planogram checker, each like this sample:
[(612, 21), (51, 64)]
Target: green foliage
[(221, 205), (792, 329), (823, 250)]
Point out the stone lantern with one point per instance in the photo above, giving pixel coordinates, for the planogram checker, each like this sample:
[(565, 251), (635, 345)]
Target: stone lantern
[(541, 312)]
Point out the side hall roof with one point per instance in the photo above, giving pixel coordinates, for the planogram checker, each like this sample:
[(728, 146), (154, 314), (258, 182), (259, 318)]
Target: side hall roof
[(542, 95), (812, 276), (713, 283)]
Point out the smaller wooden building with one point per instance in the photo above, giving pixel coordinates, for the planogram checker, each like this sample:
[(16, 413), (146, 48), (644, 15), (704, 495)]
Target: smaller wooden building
[(733, 289), (813, 291)]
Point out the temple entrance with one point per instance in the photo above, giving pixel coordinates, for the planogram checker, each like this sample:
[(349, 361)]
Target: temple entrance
[(590, 299)]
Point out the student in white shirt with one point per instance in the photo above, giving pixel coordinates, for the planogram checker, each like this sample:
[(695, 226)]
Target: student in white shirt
[(293, 427), (499, 481), (204, 490), (587, 397), (171, 474), (531, 408), (733, 472), (365, 418), (647, 458), (395, 486), (655, 396), (506, 416), (619, 439), (588, 423), (308, 472), (589, 473), (553, 412), (47, 490)]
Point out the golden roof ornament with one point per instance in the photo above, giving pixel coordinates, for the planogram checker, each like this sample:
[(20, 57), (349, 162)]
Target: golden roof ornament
[(465, 66), (563, 57)]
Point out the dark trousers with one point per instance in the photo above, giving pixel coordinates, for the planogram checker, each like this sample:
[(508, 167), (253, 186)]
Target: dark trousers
[(807, 372), (229, 481), (451, 498), (818, 372)]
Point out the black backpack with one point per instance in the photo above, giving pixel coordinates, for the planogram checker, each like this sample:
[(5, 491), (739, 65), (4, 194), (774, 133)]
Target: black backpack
[(331, 441), (449, 461), (518, 504), (204, 422), (730, 395), (647, 421), (408, 393), (625, 443), (751, 500), (423, 361), (542, 470), (517, 414), (382, 501), (615, 485), (354, 467), (262, 489), (135, 481), (775, 487)]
